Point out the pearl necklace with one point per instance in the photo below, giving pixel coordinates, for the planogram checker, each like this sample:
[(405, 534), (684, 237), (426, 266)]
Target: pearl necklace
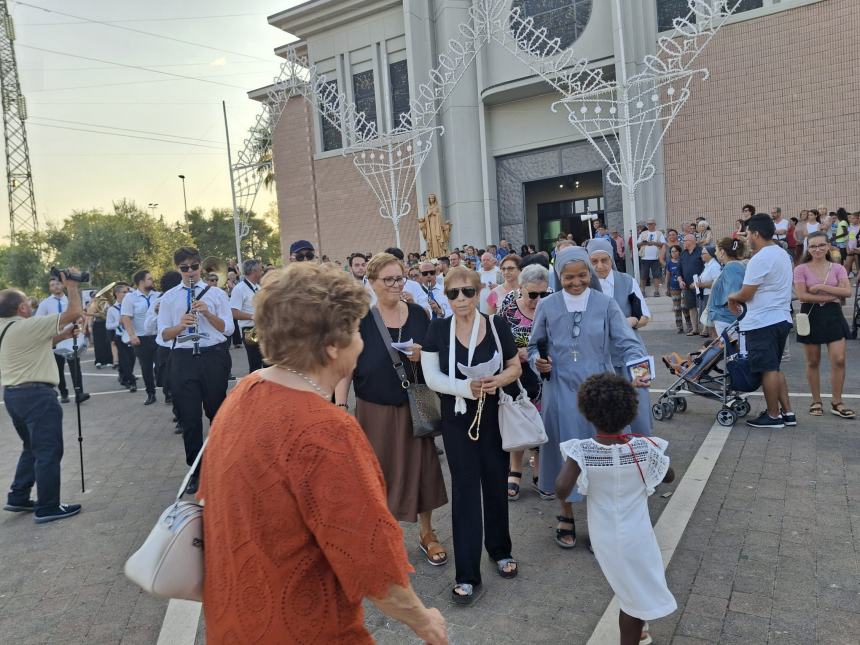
[(310, 381)]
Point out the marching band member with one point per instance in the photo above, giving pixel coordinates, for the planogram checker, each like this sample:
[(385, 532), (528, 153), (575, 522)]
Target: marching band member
[(119, 336), (57, 303), (242, 307), (133, 314), (199, 364)]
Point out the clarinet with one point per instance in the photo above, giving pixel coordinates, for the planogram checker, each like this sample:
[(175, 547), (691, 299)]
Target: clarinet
[(195, 335)]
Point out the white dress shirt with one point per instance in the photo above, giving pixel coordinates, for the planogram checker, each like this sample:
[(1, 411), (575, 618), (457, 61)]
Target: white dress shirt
[(174, 305), (135, 305), (151, 322), (438, 295), (114, 322), (242, 298), (52, 305)]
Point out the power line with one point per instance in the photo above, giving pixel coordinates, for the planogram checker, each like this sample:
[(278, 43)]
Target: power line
[(140, 67), (137, 31), (127, 136), (177, 19), (94, 69), (154, 80), (112, 127)]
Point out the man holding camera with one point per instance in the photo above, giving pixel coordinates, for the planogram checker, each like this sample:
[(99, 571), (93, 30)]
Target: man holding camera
[(57, 303), (29, 374), (198, 369)]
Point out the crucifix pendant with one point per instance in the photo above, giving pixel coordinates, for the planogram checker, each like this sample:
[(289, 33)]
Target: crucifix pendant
[(575, 355)]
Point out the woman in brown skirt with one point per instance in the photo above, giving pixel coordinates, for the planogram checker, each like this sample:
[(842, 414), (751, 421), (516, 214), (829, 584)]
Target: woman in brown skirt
[(413, 476)]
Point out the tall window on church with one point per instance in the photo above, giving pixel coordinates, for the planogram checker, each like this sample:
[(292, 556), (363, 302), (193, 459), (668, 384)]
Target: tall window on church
[(399, 75), (748, 5), (668, 10), (365, 96), (331, 139)]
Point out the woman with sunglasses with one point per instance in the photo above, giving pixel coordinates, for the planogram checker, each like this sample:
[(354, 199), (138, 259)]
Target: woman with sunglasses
[(629, 298), (470, 427), (413, 476), (518, 311), (820, 283), (574, 335), (510, 268)]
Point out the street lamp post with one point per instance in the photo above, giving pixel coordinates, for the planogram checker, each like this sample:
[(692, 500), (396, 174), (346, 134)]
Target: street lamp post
[(184, 198), (152, 207)]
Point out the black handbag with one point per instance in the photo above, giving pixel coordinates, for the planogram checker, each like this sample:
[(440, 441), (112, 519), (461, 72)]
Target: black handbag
[(424, 404)]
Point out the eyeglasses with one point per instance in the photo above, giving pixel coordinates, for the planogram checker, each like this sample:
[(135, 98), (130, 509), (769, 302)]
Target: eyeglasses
[(427, 274), (454, 293), (575, 324), (212, 280), (302, 257), (538, 294), (185, 268), (509, 268), (391, 281), (817, 246)]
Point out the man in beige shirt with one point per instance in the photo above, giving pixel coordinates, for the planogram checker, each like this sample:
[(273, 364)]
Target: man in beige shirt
[(29, 375)]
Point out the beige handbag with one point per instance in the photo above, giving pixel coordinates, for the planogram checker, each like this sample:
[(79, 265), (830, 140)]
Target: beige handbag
[(169, 563), (520, 423)]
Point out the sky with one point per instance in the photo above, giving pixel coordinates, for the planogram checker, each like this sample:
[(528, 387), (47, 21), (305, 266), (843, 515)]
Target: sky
[(229, 46)]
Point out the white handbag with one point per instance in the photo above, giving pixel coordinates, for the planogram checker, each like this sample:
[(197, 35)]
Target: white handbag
[(169, 563), (520, 423)]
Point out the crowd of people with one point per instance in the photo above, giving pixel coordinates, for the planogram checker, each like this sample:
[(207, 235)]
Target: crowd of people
[(304, 490)]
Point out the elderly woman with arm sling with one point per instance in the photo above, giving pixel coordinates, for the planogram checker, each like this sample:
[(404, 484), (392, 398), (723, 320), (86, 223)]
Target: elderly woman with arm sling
[(574, 334)]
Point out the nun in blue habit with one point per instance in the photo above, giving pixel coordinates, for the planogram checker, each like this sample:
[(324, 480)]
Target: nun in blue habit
[(624, 290), (579, 327)]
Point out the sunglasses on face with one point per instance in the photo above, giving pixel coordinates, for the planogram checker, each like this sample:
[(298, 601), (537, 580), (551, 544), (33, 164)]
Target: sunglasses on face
[(427, 274), (185, 268), (303, 257), (454, 293), (538, 294), (390, 282)]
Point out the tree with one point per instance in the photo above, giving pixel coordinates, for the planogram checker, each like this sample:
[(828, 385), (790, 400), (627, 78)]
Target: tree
[(24, 265), (113, 246), (216, 235)]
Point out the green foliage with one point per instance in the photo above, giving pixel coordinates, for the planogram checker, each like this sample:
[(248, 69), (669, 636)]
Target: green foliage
[(113, 246)]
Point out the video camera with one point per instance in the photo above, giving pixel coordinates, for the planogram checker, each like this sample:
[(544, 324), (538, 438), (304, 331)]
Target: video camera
[(83, 276)]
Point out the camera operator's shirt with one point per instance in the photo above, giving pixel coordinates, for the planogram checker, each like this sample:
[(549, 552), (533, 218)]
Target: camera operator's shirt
[(26, 355)]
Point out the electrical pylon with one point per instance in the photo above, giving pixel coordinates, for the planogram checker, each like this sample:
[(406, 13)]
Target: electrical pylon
[(19, 177)]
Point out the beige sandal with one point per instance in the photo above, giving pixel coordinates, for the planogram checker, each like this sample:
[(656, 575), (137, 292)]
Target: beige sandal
[(840, 410), (433, 549), (816, 409)]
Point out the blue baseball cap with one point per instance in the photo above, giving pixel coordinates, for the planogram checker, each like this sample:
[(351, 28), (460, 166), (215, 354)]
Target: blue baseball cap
[(300, 245)]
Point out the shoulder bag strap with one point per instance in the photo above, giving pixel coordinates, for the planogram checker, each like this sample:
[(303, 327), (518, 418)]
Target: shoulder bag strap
[(191, 471), (392, 354), (4, 332), (491, 322)]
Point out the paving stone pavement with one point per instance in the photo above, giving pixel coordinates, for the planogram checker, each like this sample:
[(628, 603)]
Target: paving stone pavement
[(770, 554)]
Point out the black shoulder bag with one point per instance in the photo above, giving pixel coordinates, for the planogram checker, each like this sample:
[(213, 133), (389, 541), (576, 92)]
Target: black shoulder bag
[(424, 403)]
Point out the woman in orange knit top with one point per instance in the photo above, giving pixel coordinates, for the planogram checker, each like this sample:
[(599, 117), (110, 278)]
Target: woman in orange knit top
[(297, 528)]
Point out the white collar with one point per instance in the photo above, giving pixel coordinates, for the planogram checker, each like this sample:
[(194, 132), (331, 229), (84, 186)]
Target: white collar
[(608, 283), (576, 303)]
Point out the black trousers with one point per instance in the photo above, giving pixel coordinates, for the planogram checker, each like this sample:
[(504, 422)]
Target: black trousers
[(236, 338), (101, 345), (162, 356), (125, 356), (145, 354), (195, 382), (479, 472), (255, 358), (74, 371)]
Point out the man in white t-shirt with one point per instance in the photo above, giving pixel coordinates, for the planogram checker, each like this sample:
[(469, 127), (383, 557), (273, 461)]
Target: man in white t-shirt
[(767, 292), (490, 277), (780, 225), (242, 308), (650, 244)]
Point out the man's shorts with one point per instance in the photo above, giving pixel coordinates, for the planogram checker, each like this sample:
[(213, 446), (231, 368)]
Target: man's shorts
[(652, 268), (691, 300), (765, 347)]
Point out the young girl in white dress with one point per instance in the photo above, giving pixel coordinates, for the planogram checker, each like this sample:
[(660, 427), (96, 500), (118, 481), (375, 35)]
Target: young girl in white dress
[(617, 472)]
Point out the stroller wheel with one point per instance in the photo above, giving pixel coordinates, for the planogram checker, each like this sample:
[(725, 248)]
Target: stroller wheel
[(726, 417), (657, 411), (668, 410), (680, 404), (741, 408)]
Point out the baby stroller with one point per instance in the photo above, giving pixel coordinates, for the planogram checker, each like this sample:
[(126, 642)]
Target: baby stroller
[(700, 374)]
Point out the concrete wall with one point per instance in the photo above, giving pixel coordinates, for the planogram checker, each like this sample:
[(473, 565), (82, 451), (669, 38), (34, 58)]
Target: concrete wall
[(777, 124)]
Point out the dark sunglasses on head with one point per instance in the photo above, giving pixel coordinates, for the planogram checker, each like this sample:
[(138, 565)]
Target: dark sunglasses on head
[(303, 257), (185, 268), (428, 273), (454, 293), (538, 294)]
